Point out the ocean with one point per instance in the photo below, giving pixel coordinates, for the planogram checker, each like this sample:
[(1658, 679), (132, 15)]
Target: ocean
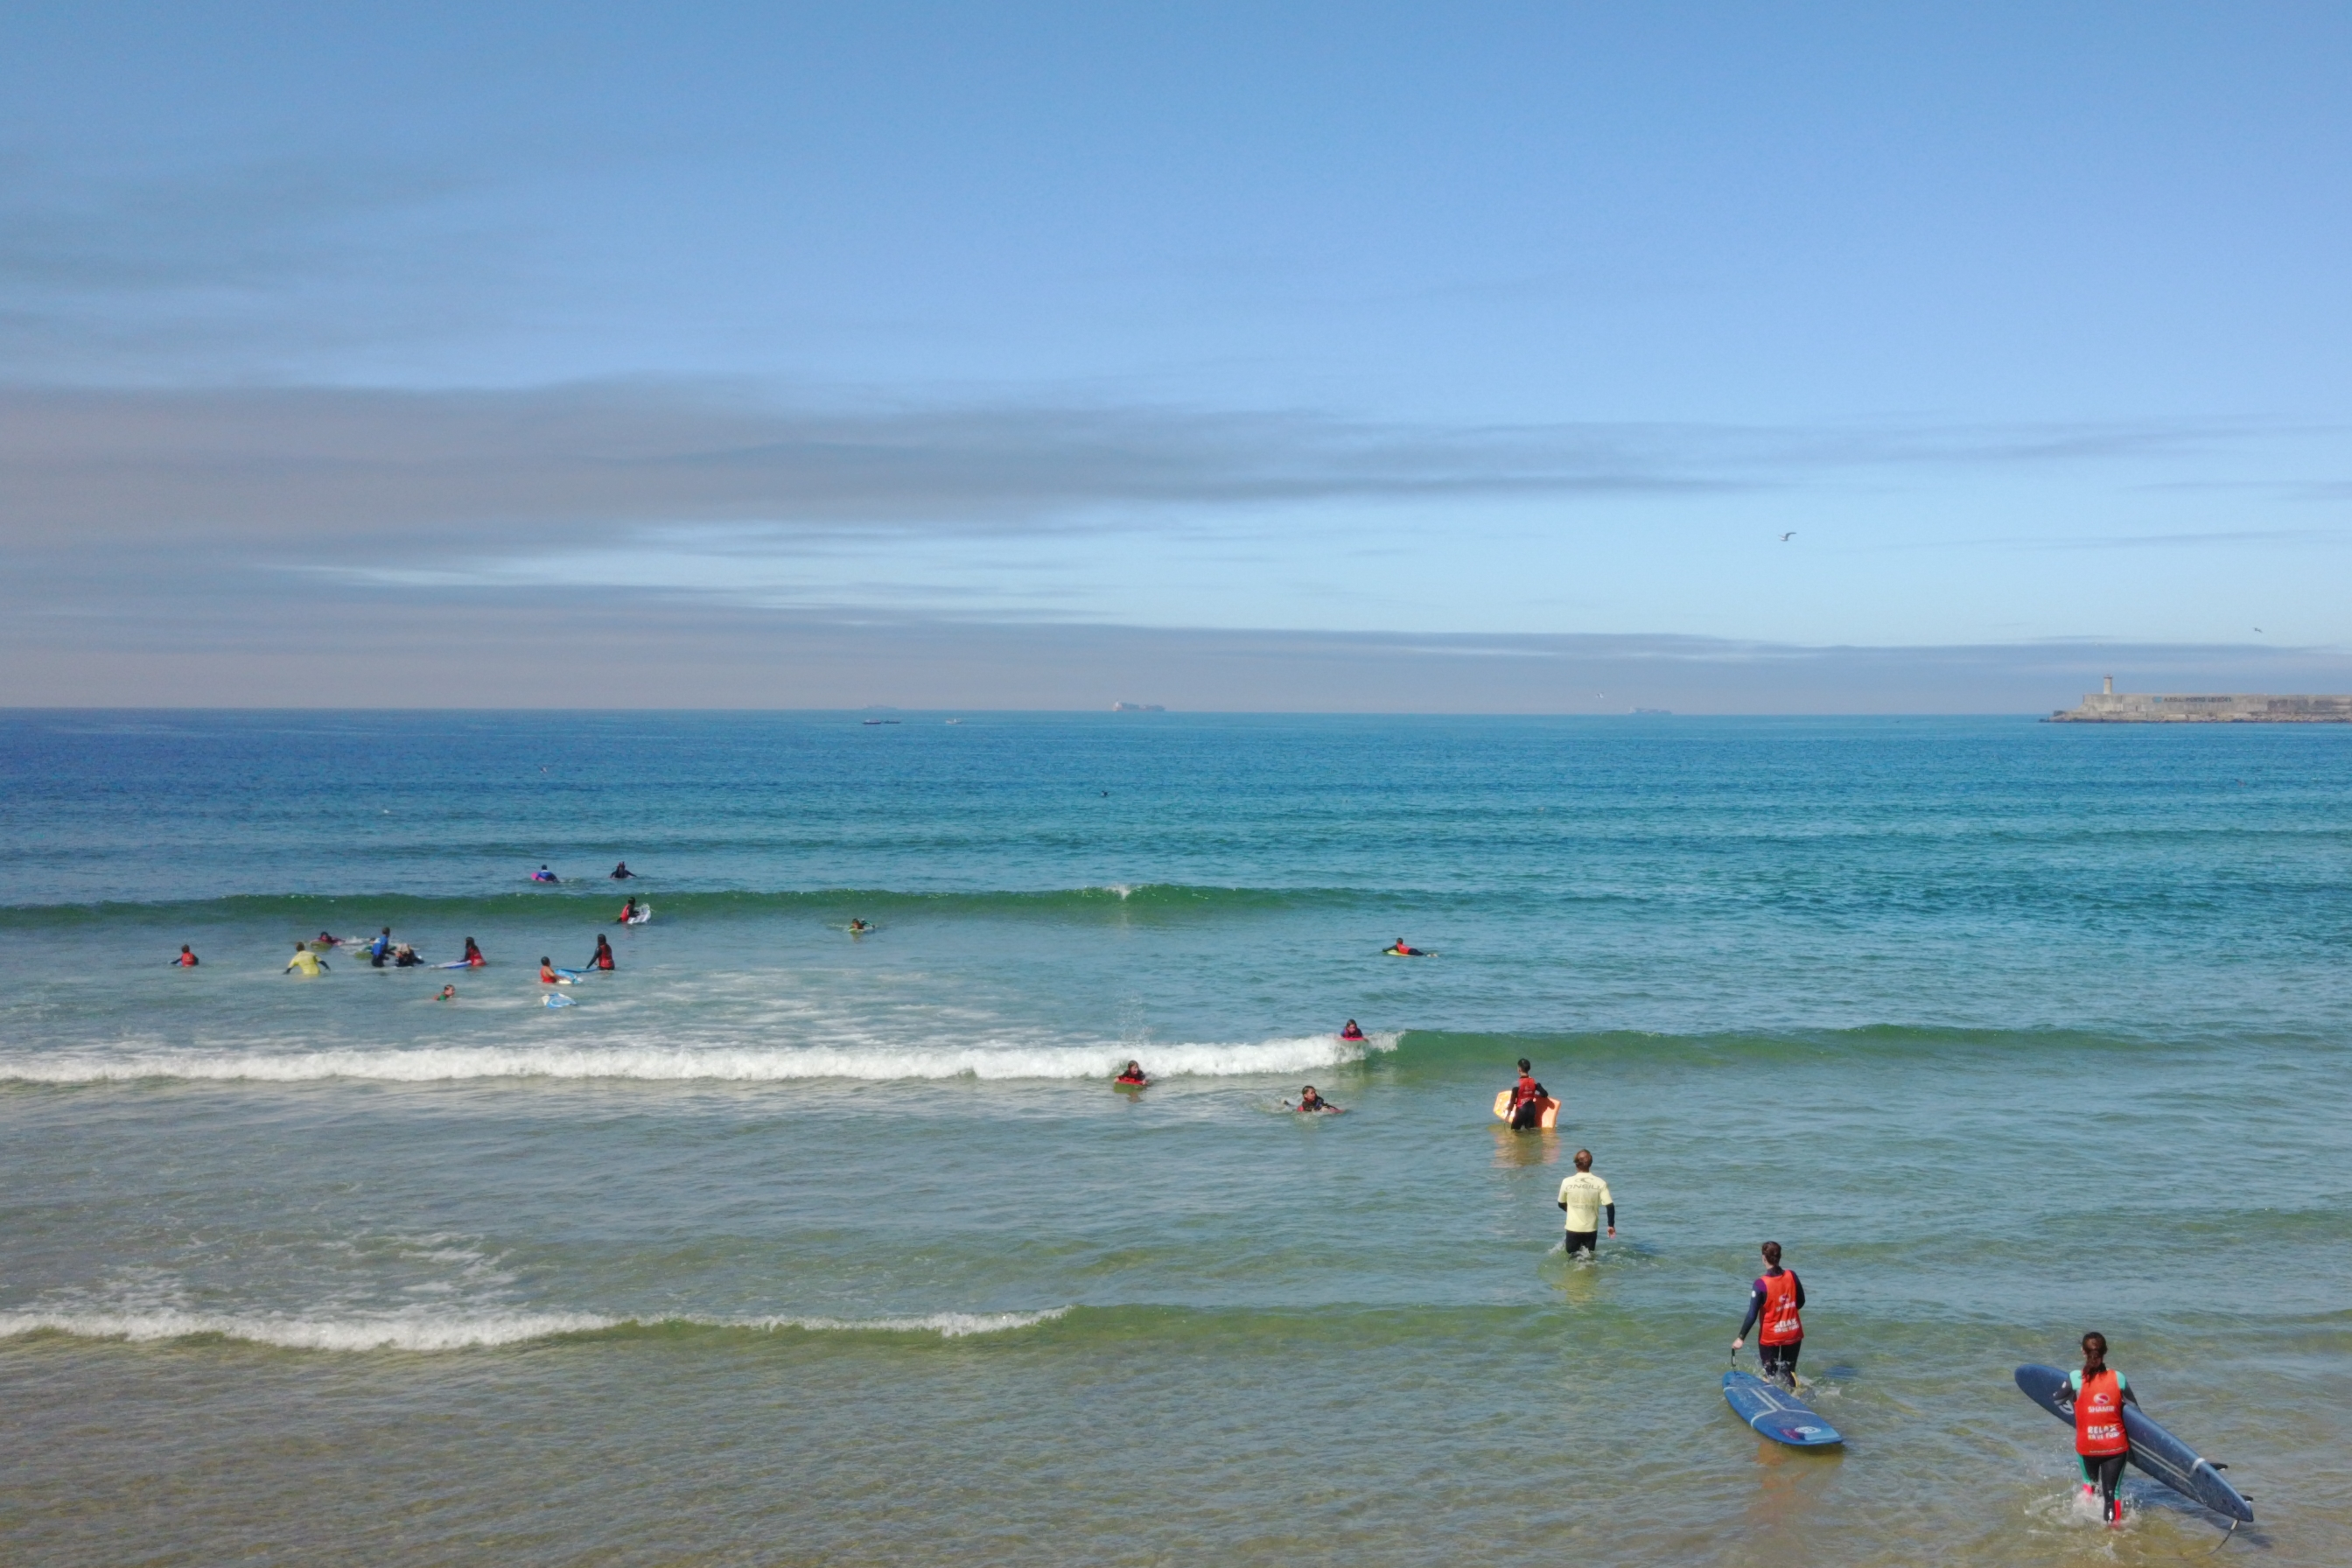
[(786, 1246)]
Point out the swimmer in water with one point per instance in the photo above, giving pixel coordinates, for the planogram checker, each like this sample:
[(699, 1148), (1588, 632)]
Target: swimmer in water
[(1310, 1102), (1351, 1032), (859, 928), (544, 875), (329, 941), (621, 873), (187, 959), (1134, 1077), (1401, 951), (448, 994), (304, 962)]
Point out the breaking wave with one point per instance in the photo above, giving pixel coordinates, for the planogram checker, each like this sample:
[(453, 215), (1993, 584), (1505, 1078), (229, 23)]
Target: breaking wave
[(660, 1064), (474, 1331)]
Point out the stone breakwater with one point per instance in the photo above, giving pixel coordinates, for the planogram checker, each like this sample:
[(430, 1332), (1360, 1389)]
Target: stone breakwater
[(2113, 706)]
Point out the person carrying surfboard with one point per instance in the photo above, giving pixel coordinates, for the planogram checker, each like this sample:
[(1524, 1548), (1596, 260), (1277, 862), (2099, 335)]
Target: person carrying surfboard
[(1774, 1302), (1584, 1198), (1528, 1099), (2100, 1442)]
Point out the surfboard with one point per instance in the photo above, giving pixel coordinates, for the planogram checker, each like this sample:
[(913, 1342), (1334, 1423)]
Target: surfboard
[(1550, 1122), (1775, 1412), (555, 1000), (2153, 1448), (644, 913)]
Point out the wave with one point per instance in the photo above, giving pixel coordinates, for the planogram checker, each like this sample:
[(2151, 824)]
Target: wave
[(457, 1331), (306, 912), (654, 1064)]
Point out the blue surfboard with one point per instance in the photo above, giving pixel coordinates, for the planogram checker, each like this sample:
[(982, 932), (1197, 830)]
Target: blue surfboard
[(1775, 1412), (2153, 1448)]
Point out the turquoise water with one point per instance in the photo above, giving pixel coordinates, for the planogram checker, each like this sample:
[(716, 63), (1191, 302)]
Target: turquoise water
[(782, 1247)]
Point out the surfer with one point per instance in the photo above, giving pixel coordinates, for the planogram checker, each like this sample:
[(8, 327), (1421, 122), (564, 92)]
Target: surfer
[(1584, 1198), (448, 994), (1310, 1102), (1774, 1302), (2101, 1443), (329, 941), (187, 959), (405, 957), (1398, 950), (304, 962), (544, 875), (604, 959), (1133, 1077), (380, 948), (858, 927), (628, 911), (1351, 1032), (547, 975), (1528, 1099), (621, 873), (474, 958)]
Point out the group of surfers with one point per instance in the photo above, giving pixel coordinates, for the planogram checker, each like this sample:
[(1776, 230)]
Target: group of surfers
[(620, 873), (1776, 1297)]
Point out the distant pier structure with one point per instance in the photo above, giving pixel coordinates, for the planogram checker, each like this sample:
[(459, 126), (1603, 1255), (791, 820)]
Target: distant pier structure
[(2113, 706)]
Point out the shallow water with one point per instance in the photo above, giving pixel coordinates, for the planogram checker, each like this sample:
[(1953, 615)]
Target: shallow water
[(782, 1247)]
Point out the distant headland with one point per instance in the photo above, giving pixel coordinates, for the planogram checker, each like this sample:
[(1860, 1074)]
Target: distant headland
[(2113, 706)]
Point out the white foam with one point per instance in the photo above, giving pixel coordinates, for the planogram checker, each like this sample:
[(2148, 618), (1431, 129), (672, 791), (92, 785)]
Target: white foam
[(430, 1333), (733, 1064)]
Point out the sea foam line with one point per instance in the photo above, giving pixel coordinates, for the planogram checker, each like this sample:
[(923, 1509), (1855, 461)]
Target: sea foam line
[(429, 1333), (672, 1064)]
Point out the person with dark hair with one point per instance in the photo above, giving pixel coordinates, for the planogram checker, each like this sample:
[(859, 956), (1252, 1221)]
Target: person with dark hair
[(1584, 1198), (603, 958), (187, 959), (1774, 1302), (2100, 1442), (1311, 1102), (474, 958), (1352, 1032), (1133, 1077), (621, 873), (1528, 1099)]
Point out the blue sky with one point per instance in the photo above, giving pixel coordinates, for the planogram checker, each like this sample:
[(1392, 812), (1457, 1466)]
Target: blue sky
[(901, 336)]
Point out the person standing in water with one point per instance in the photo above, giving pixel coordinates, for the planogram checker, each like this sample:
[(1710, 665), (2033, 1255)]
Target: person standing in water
[(474, 958), (304, 962), (604, 959), (620, 873), (187, 959), (2101, 1444), (1774, 1302), (1584, 1198), (1528, 1099), (1310, 1102), (628, 911)]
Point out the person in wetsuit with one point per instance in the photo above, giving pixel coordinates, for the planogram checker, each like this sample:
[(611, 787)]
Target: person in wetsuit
[(1351, 1032), (1133, 1077), (604, 959), (474, 958), (304, 962), (1310, 1102), (1584, 1198), (380, 950), (621, 873), (187, 959), (1774, 1302), (1401, 951), (628, 911), (2101, 1443), (1528, 1099)]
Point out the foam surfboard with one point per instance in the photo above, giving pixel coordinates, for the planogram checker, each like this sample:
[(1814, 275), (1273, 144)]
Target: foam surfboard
[(1775, 1412), (644, 913), (2153, 1448), (1551, 1110)]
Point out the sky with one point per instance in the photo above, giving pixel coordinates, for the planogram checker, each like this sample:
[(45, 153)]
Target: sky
[(1548, 357)]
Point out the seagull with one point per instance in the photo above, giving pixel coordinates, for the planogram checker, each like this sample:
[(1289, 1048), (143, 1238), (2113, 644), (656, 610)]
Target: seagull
[(1788, 536), (2260, 629)]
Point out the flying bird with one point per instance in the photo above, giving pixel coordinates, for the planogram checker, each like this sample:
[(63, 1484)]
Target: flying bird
[(1788, 536)]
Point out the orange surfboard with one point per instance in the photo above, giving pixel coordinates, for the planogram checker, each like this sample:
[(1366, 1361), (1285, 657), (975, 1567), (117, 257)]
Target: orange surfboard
[(1550, 1109)]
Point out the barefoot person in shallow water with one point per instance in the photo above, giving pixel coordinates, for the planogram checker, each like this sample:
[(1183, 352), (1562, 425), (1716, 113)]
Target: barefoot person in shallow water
[(2101, 1444)]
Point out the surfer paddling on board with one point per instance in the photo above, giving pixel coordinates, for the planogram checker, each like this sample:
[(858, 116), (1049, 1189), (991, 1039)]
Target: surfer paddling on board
[(2100, 1441), (1310, 1102), (1351, 1032), (1773, 1304), (544, 875), (1584, 1198), (1398, 950), (858, 927), (1132, 1077)]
